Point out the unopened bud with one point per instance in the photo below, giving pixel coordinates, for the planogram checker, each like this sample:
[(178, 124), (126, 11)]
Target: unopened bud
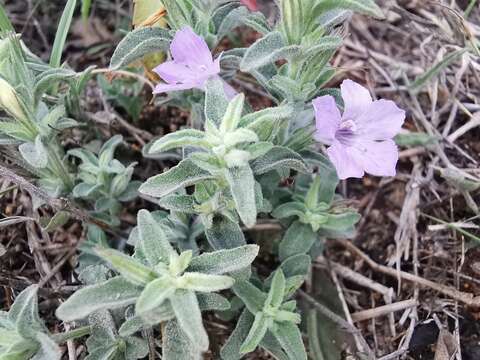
[(9, 100)]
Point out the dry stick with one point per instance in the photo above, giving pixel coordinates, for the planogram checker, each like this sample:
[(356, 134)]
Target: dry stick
[(465, 298), (362, 344), (383, 310), (341, 322), (473, 123), (362, 280), (60, 204), (57, 267)]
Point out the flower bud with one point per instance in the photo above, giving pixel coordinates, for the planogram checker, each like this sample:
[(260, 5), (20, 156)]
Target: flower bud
[(9, 100)]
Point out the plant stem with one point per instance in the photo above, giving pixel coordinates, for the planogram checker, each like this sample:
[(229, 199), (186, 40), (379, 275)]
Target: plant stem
[(72, 334), (59, 168), (469, 8)]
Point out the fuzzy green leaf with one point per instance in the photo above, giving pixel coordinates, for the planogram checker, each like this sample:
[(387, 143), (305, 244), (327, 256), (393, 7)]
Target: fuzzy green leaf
[(186, 173), (233, 114), (298, 239), (131, 269), (224, 261), (256, 334), (153, 240), (367, 7), (187, 311), (267, 50), (139, 43), (154, 294), (111, 294), (205, 282), (279, 158), (224, 234), (290, 338), (181, 138), (216, 101), (253, 298), (242, 187)]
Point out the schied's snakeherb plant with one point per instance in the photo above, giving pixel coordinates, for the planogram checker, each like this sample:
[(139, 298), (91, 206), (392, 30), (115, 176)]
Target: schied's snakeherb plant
[(235, 167)]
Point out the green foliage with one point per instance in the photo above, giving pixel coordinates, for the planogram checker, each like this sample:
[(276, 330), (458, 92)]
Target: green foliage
[(62, 33), (234, 167), (104, 180), (273, 321), (159, 280), (316, 213), (23, 335), (230, 153)]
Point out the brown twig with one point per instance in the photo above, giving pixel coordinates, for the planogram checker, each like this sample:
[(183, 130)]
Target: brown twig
[(383, 310), (463, 297)]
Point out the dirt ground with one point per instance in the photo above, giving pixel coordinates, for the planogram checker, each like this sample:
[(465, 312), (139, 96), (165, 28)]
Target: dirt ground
[(408, 284)]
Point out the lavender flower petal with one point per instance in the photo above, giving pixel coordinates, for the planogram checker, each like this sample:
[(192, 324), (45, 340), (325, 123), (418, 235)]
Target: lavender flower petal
[(327, 117), (381, 121), (357, 99)]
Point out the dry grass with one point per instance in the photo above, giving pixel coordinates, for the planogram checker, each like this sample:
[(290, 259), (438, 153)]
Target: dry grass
[(415, 257)]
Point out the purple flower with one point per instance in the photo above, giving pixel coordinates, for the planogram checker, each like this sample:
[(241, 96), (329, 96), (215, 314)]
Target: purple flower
[(362, 139), (192, 64)]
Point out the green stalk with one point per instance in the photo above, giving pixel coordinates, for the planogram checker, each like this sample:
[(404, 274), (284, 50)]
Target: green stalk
[(59, 168), (72, 334), (470, 7)]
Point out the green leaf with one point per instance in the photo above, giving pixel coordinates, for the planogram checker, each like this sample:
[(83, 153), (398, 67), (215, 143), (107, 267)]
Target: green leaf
[(177, 345), (139, 43), (49, 350), (5, 24), (413, 139), (224, 261), (111, 294), (180, 203), (266, 123), (85, 10), (256, 334), (154, 294), (296, 265), (289, 209), (181, 138), (277, 290), (154, 242), (279, 158), (298, 239), (273, 347), (290, 338), (50, 77), (205, 282), (341, 222), (367, 7), (108, 149), (186, 173), (231, 349), (242, 16), (224, 234), (27, 320), (62, 33), (58, 220), (422, 80), (35, 154), (233, 114), (293, 19), (216, 101), (131, 269), (189, 317), (267, 50), (253, 298), (242, 187)]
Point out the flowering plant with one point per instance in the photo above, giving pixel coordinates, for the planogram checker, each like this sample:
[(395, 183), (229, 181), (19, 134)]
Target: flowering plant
[(234, 169)]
